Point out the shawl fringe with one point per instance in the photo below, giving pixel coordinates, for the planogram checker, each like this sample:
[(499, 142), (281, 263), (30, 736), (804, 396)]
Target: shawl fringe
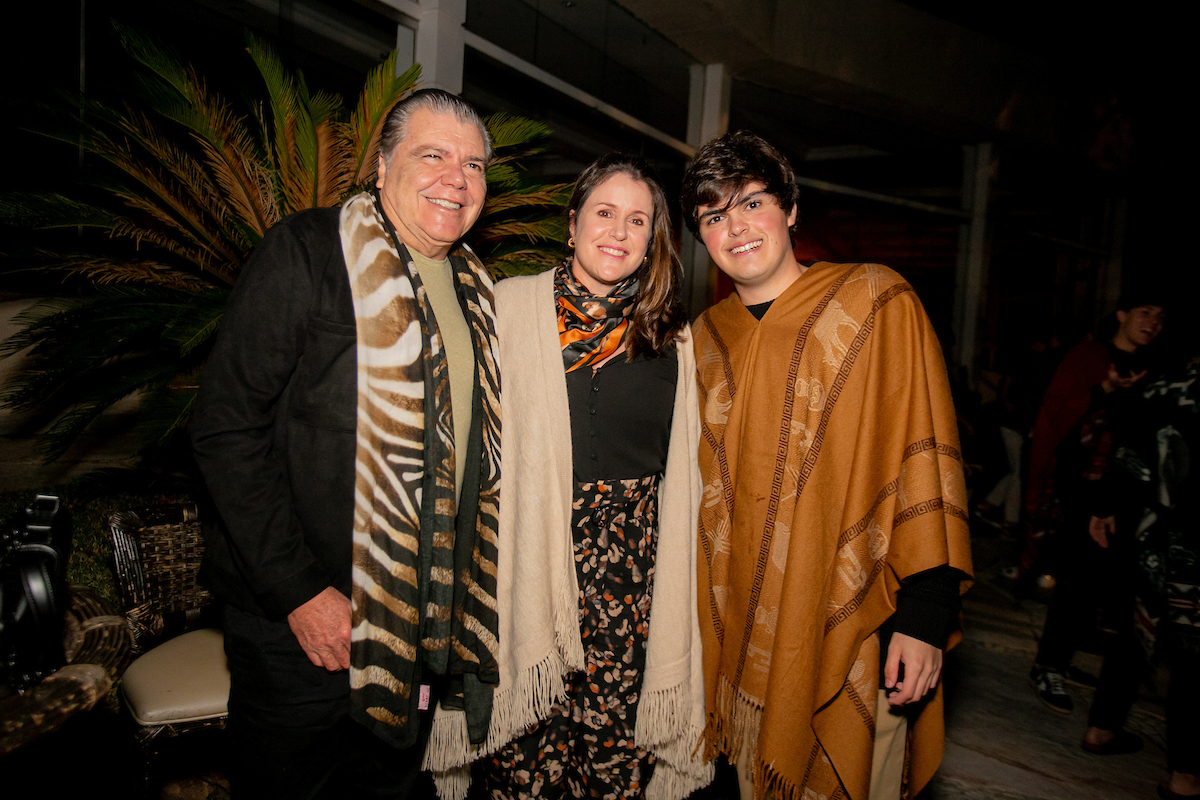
[(664, 725), (670, 783), (567, 636)]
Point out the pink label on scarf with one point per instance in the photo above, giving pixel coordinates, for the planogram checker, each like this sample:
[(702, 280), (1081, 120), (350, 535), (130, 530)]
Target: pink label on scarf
[(423, 698)]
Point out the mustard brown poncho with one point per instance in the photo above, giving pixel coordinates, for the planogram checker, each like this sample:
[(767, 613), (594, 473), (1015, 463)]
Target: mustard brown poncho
[(832, 472)]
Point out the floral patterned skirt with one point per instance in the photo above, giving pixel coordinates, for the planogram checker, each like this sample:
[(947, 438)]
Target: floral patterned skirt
[(585, 748)]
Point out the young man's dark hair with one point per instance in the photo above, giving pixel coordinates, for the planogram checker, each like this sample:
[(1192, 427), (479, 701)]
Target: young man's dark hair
[(1141, 296), (726, 165)]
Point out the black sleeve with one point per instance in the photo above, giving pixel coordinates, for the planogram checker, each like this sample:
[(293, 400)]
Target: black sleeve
[(927, 605), (233, 428)]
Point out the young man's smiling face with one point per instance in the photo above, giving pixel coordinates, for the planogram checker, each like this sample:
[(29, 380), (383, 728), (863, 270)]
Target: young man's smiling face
[(748, 238), (1139, 326)]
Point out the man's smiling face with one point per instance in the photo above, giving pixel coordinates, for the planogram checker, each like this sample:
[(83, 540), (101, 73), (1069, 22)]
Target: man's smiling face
[(1140, 326), (748, 238), (433, 188)]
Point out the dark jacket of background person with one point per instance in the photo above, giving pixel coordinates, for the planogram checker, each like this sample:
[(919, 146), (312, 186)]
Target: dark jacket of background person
[(1155, 473), (1067, 399), (1154, 470)]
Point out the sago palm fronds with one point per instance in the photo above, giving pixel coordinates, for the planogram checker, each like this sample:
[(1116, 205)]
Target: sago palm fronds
[(522, 228), (190, 184)]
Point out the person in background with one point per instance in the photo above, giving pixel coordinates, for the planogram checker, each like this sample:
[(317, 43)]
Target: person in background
[(1154, 474), (1025, 373), (1087, 401)]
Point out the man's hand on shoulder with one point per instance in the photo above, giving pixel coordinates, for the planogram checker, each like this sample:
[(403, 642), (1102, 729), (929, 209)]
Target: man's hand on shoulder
[(922, 669), (322, 626)]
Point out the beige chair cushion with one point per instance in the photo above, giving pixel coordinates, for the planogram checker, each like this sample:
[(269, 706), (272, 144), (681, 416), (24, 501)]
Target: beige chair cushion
[(184, 679)]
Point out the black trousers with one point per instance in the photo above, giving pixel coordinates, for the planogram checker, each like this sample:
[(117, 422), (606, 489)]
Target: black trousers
[(290, 731), (1088, 577), (1124, 668)]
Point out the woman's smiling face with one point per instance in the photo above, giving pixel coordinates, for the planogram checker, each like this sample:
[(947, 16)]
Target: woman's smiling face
[(612, 231)]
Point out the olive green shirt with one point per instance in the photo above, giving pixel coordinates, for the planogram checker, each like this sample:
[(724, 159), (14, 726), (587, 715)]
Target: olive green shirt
[(438, 279)]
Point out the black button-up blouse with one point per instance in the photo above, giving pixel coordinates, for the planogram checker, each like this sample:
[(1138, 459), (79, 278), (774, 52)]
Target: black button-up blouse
[(621, 417)]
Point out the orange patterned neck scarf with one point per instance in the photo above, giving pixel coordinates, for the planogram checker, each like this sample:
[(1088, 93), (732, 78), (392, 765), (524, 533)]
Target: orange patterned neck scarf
[(590, 328)]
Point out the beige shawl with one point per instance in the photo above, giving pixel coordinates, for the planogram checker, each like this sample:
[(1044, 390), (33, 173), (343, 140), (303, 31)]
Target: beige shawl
[(538, 595)]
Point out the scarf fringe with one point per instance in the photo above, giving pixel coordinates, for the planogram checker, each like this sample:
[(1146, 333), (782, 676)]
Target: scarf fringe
[(447, 739), (514, 709)]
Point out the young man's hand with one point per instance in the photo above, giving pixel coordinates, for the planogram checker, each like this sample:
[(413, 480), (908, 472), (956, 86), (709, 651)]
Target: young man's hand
[(922, 669), (322, 626), (1116, 380), (1100, 528)]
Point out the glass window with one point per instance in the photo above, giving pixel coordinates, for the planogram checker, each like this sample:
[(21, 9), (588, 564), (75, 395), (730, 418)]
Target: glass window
[(597, 47)]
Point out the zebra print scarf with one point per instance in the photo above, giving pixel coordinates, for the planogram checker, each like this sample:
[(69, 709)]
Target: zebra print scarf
[(424, 584)]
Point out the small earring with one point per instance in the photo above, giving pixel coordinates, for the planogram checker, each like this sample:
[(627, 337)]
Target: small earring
[(571, 243)]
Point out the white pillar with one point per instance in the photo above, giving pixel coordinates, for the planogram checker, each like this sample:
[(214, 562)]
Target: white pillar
[(972, 266), (708, 118), (440, 44), (708, 103), (406, 48)]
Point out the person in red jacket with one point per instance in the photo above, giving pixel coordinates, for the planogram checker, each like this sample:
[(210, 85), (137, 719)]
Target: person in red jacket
[(1083, 400)]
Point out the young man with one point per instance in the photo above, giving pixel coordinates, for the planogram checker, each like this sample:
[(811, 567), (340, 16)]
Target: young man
[(1086, 412), (346, 430), (833, 521)]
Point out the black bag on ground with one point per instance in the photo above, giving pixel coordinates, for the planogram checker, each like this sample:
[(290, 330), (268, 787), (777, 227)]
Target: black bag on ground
[(34, 547)]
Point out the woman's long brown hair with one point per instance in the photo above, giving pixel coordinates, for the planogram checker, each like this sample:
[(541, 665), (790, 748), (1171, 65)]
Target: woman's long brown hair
[(658, 315)]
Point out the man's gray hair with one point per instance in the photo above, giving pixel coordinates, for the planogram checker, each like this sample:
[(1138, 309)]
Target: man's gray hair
[(395, 127)]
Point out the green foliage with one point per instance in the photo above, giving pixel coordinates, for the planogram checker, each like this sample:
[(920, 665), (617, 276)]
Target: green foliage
[(187, 186), (521, 229)]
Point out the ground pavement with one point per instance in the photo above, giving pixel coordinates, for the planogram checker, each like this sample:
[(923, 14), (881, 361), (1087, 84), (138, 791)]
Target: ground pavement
[(1001, 742)]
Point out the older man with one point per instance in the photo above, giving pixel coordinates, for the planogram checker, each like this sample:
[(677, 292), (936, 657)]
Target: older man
[(347, 430)]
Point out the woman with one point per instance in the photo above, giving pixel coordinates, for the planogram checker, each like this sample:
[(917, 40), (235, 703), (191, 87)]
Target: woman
[(601, 689)]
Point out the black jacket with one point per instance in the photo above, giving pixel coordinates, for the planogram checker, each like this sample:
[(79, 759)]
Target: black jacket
[(274, 424)]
